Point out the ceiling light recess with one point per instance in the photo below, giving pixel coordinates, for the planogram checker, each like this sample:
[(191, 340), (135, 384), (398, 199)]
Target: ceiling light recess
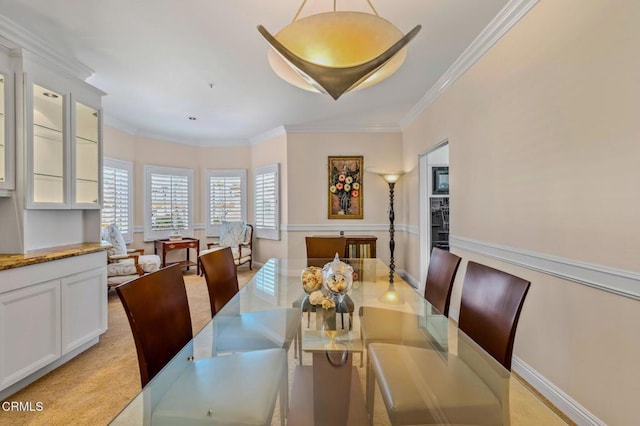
[(336, 52)]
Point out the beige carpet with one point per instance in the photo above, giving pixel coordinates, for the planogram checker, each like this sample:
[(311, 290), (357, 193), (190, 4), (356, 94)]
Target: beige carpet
[(93, 387)]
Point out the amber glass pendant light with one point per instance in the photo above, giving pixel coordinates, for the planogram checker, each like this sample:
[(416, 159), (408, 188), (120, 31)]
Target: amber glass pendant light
[(338, 51)]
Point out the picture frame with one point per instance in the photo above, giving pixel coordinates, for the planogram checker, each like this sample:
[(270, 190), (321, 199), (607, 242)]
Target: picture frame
[(440, 180), (344, 187)]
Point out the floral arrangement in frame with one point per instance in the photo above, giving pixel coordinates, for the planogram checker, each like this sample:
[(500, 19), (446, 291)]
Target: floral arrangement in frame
[(345, 187)]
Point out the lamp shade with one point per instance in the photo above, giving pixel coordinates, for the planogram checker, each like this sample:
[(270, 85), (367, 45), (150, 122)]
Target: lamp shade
[(336, 52), (337, 40)]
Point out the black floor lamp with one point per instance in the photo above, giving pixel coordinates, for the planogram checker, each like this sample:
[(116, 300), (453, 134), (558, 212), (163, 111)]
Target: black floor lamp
[(390, 295)]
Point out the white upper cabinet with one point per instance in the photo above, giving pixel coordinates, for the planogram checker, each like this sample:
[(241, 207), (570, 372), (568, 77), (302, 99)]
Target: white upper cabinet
[(64, 143), (7, 136), (48, 151), (87, 156)]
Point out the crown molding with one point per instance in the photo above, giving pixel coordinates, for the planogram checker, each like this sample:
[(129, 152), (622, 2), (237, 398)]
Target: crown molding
[(344, 128), (510, 14), (19, 37), (116, 123), (265, 136), (221, 143)]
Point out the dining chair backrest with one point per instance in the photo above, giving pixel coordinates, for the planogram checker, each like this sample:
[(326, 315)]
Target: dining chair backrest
[(324, 249), (158, 311), (222, 277), (490, 308), (442, 271)]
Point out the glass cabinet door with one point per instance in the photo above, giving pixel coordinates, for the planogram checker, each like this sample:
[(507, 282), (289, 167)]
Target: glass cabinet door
[(48, 146), (3, 168), (87, 155)]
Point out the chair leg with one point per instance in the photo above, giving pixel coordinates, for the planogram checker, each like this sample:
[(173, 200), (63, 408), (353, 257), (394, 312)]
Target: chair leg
[(284, 394), (370, 391), (299, 340)]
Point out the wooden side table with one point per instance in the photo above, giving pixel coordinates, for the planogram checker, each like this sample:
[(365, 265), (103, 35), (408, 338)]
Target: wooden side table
[(162, 247), (357, 246)]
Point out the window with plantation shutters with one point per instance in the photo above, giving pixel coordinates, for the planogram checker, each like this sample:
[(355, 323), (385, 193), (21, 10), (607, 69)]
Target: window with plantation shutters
[(267, 203), (168, 202), (226, 198), (117, 189)]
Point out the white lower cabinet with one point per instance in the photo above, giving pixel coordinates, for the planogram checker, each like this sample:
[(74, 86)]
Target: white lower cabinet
[(29, 330), (42, 322), (81, 295)]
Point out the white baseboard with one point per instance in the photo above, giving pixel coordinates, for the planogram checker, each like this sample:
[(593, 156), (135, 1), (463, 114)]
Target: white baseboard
[(567, 405), (408, 278), (570, 407)]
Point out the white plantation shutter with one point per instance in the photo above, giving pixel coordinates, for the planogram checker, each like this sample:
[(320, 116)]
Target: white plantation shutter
[(117, 188), (168, 202), (226, 198), (267, 203)]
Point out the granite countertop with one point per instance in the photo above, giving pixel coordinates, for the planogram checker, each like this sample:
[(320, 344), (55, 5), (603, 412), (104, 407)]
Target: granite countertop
[(8, 261)]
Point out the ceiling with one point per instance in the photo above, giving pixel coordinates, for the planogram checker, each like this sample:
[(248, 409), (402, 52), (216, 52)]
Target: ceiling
[(157, 58)]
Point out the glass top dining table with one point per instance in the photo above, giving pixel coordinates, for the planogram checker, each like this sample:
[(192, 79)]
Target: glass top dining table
[(326, 373)]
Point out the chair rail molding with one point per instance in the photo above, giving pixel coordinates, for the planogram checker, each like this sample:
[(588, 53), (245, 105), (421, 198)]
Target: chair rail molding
[(351, 227), (616, 281), (333, 227)]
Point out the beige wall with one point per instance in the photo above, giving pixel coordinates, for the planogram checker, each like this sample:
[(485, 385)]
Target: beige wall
[(543, 133), (273, 150), (307, 157), (142, 151), (303, 181)]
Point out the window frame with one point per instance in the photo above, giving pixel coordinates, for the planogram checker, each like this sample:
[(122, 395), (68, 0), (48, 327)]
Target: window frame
[(128, 167), (149, 170), (214, 230), (263, 232)]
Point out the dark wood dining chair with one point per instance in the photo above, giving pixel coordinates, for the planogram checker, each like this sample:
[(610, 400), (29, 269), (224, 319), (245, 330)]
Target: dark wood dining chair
[(470, 387), (441, 273), (221, 276), (157, 307), (169, 312), (276, 327), (321, 250), (392, 326)]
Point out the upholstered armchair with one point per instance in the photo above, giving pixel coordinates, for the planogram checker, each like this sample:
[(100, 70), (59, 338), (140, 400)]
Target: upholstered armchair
[(125, 264), (238, 236)]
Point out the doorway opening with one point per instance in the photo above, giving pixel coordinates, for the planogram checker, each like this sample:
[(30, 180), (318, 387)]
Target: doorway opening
[(434, 204)]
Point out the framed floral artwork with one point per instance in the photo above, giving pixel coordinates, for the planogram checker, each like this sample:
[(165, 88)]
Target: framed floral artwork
[(345, 187)]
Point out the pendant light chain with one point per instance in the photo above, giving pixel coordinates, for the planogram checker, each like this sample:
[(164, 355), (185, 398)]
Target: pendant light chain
[(335, 2), (299, 10), (375, 12)]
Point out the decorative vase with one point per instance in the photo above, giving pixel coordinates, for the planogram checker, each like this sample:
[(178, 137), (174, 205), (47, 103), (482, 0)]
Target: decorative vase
[(311, 278)]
